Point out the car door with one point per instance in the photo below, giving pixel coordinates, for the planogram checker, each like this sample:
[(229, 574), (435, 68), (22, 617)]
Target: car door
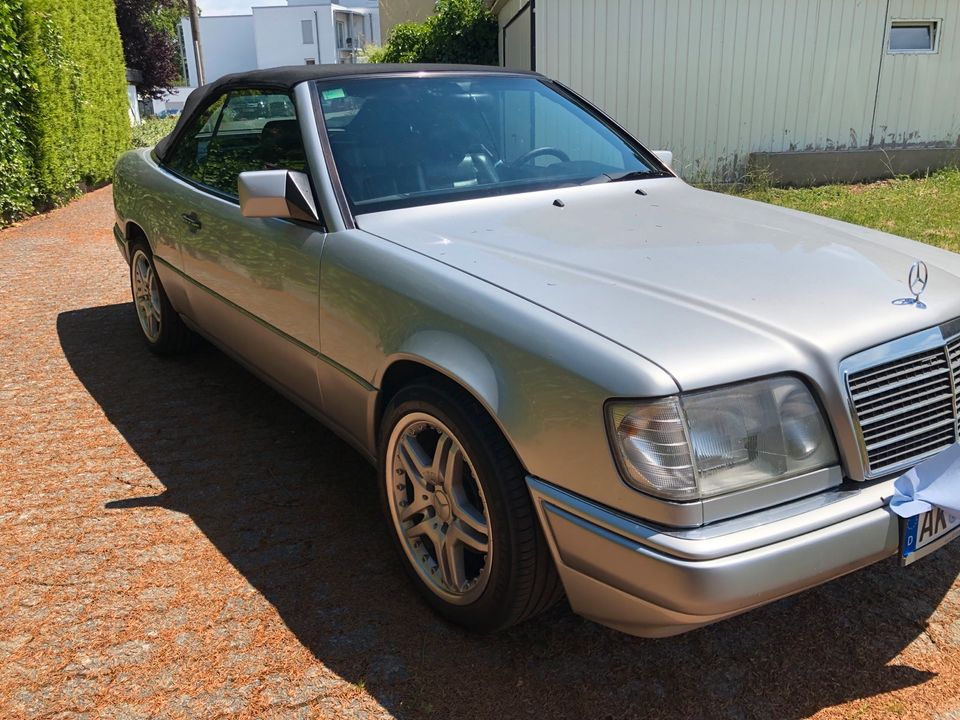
[(254, 281)]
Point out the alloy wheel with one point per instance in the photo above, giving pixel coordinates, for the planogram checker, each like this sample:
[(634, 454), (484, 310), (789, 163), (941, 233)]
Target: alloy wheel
[(146, 294), (438, 508)]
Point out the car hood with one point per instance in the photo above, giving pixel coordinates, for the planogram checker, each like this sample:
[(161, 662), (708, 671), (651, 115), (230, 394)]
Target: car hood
[(711, 287)]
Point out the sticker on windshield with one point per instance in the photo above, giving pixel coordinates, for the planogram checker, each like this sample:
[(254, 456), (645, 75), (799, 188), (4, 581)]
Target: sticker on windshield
[(333, 94)]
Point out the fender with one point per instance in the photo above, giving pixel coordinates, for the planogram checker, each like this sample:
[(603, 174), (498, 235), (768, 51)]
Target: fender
[(455, 357)]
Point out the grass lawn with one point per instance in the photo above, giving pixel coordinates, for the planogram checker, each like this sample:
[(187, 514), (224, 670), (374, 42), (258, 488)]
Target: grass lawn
[(927, 209)]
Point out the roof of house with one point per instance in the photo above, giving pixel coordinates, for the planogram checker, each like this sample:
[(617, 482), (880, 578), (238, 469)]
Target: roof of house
[(285, 78)]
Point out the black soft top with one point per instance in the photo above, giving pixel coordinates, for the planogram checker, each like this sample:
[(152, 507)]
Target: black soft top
[(285, 78)]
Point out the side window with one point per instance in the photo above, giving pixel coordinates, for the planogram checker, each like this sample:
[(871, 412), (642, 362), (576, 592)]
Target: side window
[(190, 153), (258, 131)]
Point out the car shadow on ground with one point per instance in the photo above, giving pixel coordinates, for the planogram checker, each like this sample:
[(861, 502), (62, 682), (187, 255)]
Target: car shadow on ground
[(295, 510)]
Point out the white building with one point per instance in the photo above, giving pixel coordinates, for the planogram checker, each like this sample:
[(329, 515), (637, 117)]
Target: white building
[(302, 32), (813, 89)]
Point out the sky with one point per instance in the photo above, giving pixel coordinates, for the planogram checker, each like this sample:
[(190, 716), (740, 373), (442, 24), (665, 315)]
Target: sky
[(233, 7)]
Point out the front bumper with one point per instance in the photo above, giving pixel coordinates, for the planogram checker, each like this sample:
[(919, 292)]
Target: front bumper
[(655, 582)]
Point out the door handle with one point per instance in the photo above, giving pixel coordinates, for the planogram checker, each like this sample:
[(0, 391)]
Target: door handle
[(192, 220)]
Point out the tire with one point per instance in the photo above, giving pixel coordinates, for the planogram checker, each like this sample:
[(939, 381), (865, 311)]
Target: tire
[(514, 579), (160, 325)]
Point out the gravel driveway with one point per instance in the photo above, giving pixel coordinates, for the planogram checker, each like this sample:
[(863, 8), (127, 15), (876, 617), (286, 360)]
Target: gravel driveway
[(177, 540)]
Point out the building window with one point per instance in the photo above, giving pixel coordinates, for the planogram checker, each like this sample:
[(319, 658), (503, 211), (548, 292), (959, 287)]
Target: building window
[(306, 29), (341, 34), (913, 36), (310, 61)]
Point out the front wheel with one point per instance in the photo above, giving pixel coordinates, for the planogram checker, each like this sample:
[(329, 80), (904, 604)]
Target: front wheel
[(460, 513)]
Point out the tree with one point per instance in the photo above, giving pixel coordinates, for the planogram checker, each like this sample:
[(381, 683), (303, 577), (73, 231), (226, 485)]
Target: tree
[(459, 31), (151, 44)]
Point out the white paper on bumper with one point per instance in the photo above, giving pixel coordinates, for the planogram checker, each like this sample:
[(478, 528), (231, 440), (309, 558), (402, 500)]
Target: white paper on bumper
[(932, 483)]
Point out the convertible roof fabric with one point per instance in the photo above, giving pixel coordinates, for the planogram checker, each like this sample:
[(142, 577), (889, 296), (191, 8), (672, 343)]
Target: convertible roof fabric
[(284, 78)]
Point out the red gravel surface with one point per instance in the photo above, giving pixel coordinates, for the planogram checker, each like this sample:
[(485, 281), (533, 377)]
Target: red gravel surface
[(178, 541)]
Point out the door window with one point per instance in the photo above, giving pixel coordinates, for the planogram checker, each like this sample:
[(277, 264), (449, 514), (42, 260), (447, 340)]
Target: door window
[(243, 130), (258, 131)]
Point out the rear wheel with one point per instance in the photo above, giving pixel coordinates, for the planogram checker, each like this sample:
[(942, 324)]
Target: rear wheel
[(459, 510), (161, 326)]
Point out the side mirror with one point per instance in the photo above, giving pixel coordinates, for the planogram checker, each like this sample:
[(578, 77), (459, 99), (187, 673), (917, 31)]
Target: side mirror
[(277, 194), (664, 156)]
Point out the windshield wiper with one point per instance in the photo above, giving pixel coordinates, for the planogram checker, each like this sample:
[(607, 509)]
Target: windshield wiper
[(622, 176)]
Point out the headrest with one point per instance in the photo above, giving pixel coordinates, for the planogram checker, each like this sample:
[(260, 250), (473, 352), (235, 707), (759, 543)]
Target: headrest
[(284, 134)]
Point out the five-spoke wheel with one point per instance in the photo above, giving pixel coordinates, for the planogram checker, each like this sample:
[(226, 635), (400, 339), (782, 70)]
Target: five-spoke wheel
[(438, 508), (457, 502)]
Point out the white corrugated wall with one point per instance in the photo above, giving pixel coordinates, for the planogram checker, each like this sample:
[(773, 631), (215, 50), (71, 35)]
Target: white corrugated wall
[(919, 95), (714, 80)]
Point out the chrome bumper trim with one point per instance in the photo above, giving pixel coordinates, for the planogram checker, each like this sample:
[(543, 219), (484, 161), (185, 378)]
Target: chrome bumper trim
[(652, 582), (732, 536)]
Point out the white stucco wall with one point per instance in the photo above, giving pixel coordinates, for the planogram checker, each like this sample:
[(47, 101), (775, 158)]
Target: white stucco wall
[(273, 36), (279, 40), (361, 4), (228, 45)]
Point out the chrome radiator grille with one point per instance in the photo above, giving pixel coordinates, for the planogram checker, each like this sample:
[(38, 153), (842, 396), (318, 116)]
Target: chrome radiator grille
[(906, 409)]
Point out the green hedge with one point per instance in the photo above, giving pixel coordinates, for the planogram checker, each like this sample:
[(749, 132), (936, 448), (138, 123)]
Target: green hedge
[(66, 107), (17, 186), (152, 130)]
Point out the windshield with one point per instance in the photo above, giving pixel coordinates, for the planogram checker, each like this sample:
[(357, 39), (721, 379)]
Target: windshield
[(406, 141)]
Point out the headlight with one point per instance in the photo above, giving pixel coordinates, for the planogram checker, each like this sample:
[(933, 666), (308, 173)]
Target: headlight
[(707, 443)]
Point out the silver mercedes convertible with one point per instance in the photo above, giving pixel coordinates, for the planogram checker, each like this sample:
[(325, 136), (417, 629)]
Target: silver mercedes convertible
[(575, 373)]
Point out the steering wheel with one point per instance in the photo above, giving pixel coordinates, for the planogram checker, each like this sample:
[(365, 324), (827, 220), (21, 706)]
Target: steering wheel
[(540, 151)]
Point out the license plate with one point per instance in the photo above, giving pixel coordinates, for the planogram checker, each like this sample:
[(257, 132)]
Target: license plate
[(926, 532)]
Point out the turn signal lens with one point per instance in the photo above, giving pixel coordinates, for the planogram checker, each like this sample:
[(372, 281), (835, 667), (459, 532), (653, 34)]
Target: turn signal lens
[(713, 442), (654, 450)]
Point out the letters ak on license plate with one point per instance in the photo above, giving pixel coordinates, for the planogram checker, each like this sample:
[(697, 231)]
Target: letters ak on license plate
[(926, 532)]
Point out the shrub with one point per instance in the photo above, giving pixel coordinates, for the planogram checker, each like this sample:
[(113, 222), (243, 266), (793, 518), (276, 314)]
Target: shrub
[(151, 130), (462, 31), (17, 188), (459, 31), (149, 33), (78, 118), (373, 54), (407, 44)]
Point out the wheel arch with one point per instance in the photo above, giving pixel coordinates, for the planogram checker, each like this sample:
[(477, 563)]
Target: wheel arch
[(446, 359), (133, 232)]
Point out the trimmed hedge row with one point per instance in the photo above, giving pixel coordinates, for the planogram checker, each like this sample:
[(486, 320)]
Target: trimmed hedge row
[(17, 185), (63, 99)]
